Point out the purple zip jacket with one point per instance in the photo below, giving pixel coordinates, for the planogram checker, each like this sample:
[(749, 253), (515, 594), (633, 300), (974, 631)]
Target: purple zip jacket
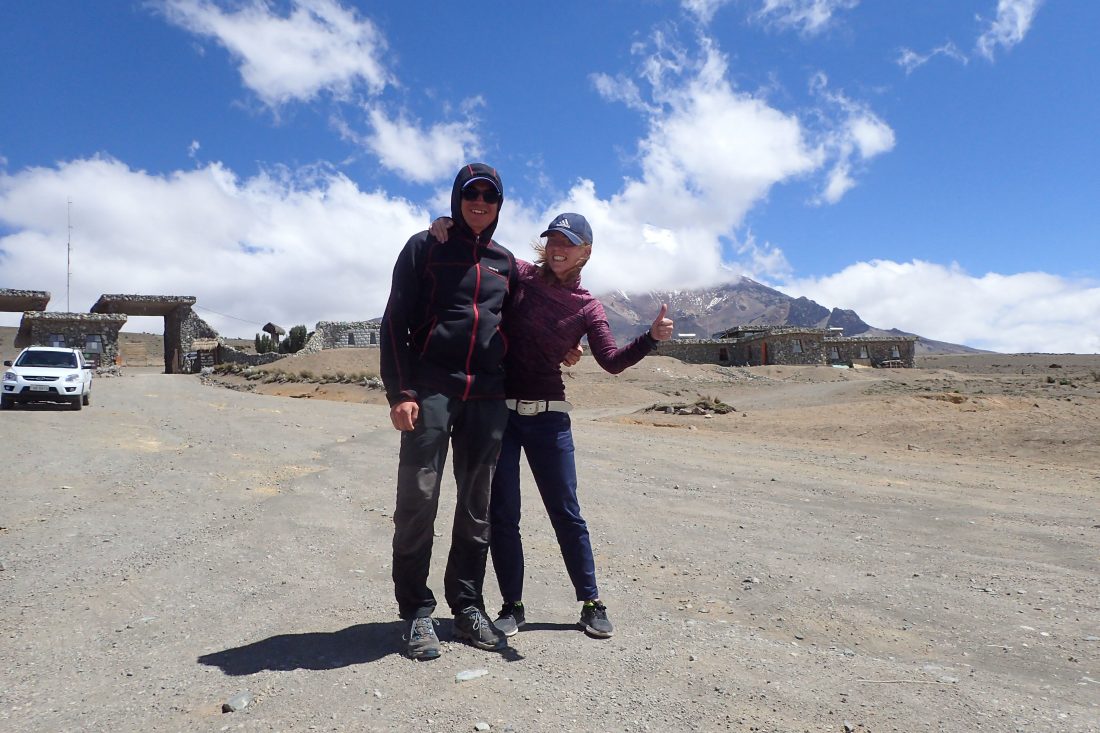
[(544, 322)]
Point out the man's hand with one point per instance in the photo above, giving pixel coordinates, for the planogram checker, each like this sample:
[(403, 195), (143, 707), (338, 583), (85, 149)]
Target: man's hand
[(439, 227), (661, 330), (403, 415), (573, 356)]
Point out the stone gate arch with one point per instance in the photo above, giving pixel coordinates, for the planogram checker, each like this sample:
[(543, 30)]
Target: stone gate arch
[(181, 325)]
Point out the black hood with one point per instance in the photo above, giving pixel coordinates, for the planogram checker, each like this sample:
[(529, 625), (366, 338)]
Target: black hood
[(468, 172)]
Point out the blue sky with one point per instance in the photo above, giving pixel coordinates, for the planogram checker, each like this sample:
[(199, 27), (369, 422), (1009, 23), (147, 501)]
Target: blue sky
[(931, 164)]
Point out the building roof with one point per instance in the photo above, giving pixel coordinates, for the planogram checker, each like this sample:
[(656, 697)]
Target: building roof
[(141, 305), (19, 301), (23, 335)]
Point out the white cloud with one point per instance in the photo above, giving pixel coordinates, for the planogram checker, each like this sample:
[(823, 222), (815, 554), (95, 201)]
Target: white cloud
[(1024, 312), (806, 16), (319, 46), (856, 137), (710, 154), (1012, 23), (620, 89), (911, 60), (421, 155), (703, 10), (292, 247)]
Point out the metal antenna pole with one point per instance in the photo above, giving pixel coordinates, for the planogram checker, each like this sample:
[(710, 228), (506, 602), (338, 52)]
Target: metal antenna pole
[(69, 255)]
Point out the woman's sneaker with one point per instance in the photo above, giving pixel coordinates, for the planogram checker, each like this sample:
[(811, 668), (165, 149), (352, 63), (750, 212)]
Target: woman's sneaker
[(510, 618), (423, 642), (594, 620), (472, 624)]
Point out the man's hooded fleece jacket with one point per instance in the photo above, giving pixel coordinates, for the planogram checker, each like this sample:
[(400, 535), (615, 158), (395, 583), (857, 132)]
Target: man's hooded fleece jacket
[(442, 327)]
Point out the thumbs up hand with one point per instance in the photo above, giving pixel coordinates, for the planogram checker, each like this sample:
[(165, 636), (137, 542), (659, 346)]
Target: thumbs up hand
[(661, 330)]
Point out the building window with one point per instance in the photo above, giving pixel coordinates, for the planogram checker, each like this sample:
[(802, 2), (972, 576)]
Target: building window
[(351, 338), (796, 346), (723, 354), (834, 353), (895, 353), (93, 344), (57, 340), (373, 338), (863, 353)]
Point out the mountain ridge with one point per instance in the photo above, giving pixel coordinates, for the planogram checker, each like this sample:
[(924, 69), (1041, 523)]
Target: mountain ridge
[(708, 311)]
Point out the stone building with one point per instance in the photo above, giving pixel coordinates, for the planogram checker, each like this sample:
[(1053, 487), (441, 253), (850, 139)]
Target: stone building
[(96, 334), (759, 345), (344, 335)]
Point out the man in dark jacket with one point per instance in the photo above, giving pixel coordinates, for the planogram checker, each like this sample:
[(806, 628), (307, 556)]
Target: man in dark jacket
[(441, 362)]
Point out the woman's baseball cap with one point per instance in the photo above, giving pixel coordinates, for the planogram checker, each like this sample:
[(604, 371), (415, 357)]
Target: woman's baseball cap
[(573, 226)]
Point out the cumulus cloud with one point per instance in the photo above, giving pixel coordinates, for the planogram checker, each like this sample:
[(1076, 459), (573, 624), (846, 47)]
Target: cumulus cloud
[(1024, 312), (710, 153), (854, 137), (419, 154), (284, 246), (319, 46), (805, 16), (1014, 18)]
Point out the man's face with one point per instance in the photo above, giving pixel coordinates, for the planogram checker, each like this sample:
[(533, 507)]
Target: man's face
[(478, 214)]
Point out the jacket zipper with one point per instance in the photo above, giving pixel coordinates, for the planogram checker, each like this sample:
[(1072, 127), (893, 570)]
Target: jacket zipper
[(477, 316)]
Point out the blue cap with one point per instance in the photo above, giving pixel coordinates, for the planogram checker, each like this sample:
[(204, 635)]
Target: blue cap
[(573, 226)]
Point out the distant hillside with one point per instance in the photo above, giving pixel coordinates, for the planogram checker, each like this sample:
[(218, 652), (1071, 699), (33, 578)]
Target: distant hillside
[(708, 311)]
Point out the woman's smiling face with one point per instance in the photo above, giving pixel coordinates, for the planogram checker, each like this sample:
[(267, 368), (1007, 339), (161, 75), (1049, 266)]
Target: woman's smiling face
[(562, 256)]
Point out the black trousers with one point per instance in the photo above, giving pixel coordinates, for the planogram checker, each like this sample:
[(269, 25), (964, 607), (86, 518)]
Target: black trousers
[(474, 428)]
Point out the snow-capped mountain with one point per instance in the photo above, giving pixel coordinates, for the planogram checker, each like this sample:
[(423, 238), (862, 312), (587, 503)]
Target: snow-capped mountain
[(708, 311)]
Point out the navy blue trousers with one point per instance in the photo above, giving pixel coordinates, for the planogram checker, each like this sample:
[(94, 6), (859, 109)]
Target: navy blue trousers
[(547, 441)]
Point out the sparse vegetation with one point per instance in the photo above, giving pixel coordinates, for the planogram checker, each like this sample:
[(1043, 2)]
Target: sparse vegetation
[(264, 344), (294, 341)]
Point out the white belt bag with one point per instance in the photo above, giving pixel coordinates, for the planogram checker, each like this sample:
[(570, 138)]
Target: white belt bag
[(534, 407)]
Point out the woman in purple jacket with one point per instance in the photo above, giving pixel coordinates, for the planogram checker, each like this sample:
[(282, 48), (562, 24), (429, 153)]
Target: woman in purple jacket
[(545, 321)]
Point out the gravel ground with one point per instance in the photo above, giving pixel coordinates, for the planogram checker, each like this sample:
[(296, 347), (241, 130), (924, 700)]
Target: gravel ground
[(780, 568)]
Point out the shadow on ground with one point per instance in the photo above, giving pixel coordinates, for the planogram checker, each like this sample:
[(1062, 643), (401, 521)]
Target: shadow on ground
[(319, 650), (357, 644)]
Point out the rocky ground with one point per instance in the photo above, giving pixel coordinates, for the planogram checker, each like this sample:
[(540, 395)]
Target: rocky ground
[(865, 550)]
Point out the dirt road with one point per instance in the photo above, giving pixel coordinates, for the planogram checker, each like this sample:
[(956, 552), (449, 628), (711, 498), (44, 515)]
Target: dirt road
[(175, 544)]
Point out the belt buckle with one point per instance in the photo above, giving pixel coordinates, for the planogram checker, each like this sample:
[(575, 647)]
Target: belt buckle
[(527, 407)]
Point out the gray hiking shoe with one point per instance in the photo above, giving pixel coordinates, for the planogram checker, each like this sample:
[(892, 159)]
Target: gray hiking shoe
[(594, 620), (510, 618), (423, 642), (473, 625)]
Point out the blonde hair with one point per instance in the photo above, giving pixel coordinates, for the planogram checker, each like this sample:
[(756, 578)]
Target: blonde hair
[(539, 245)]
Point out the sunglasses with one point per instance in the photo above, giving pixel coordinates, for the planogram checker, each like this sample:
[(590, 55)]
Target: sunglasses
[(488, 195)]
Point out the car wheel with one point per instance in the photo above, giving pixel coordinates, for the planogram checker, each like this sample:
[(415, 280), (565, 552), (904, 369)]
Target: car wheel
[(76, 403), (6, 403), (87, 399)]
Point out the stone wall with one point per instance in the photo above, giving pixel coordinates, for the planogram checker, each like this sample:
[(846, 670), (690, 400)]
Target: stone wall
[(700, 351), (343, 335), (230, 355), (191, 327), (872, 351), (73, 329), (788, 346)]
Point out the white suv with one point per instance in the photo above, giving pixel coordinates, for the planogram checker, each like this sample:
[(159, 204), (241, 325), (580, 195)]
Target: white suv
[(47, 374)]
